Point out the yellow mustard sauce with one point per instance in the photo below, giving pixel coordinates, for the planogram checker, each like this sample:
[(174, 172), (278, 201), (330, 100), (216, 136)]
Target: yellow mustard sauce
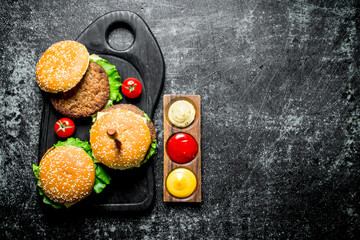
[(181, 183)]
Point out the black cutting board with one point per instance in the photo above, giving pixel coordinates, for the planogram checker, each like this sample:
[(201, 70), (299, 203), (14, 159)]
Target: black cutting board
[(130, 190)]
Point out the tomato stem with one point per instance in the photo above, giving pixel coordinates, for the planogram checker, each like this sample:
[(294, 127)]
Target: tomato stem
[(62, 126), (131, 87)]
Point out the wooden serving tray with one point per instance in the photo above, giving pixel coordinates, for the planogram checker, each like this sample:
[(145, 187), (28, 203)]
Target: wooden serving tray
[(129, 190), (195, 131)]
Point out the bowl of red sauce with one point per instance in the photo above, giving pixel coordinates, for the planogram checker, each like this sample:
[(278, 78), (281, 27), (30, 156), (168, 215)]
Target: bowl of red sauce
[(181, 148)]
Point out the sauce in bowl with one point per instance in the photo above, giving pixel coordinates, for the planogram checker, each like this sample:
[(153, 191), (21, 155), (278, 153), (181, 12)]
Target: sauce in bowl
[(181, 113), (181, 183), (182, 148)]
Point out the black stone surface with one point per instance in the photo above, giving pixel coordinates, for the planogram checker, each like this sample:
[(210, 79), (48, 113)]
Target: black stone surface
[(280, 89)]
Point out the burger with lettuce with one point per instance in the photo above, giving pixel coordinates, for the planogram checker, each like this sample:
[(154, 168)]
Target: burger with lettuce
[(67, 174), (123, 137), (78, 84)]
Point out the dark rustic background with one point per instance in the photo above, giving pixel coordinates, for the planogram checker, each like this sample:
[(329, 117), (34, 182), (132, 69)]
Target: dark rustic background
[(279, 82)]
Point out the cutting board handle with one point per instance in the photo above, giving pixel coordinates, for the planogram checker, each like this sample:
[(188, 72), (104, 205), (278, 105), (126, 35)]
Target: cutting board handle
[(144, 54)]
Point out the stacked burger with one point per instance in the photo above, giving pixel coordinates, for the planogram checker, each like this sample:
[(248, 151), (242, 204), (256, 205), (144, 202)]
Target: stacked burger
[(122, 137), (79, 84)]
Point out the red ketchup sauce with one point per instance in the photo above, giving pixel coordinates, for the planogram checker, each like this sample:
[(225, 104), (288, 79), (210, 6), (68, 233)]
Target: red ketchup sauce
[(181, 148)]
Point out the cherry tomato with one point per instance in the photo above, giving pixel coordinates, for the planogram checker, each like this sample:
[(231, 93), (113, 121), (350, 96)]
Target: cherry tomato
[(64, 127), (131, 88), (182, 148)]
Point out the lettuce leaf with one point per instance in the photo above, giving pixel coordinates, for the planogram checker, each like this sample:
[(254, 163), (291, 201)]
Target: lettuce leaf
[(99, 185), (101, 174), (114, 81), (50, 202), (76, 143), (101, 179), (113, 76), (36, 170), (147, 117), (150, 153)]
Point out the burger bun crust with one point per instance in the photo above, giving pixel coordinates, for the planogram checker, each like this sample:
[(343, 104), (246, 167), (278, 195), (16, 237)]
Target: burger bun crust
[(132, 129), (67, 174), (62, 66)]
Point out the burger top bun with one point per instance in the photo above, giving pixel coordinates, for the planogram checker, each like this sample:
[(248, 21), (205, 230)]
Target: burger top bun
[(120, 138), (67, 174), (62, 66)]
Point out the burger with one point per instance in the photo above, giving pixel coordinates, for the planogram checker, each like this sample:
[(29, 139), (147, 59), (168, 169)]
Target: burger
[(122, 137), (67, 174), (78, 84)]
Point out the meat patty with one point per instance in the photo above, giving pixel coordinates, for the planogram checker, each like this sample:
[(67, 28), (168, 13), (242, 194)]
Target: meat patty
[(87, 97)]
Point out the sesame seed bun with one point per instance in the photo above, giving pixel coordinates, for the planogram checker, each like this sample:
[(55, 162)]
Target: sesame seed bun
[(62, 66), (134, 132), (67, 174)]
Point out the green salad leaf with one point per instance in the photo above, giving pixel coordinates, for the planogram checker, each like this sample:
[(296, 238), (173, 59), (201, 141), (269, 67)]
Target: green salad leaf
[(147, 117), (113, 76), (47, 200), (151, 152), (76, 142), (101, 180), (102, 174), (36, 170), (114, 81), (99, 185)]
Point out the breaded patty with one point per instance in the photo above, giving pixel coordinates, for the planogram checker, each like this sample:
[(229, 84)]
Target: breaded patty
[(136, 110), (87, 97)]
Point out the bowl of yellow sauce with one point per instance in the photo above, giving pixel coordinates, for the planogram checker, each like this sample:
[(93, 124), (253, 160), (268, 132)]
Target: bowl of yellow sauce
[(181, 183)]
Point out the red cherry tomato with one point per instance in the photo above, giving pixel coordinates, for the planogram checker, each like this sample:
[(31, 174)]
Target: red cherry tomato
[(131, 88), (64, 127), (182, 148)]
